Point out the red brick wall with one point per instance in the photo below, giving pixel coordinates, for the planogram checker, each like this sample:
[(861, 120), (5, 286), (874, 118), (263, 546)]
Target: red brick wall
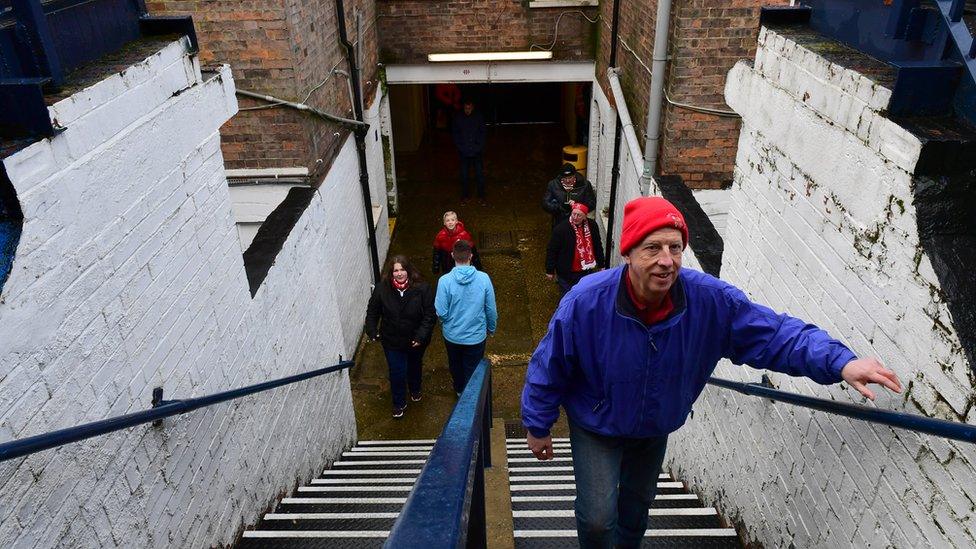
[(410, 29), (283, 48), (706, 40)]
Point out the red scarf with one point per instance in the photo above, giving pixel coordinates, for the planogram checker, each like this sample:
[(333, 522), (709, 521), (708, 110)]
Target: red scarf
[(583, 258), (445, 239), (648, 315), (400, 286)]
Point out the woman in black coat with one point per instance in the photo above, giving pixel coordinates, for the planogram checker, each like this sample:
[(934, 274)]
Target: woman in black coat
[(401, 315)]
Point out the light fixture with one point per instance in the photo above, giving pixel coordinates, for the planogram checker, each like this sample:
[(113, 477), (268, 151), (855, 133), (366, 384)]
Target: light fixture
[(491, 56)]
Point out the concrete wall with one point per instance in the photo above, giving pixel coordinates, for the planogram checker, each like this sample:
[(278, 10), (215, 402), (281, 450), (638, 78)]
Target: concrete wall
[(129, 276), (822, 225), (253, 203)]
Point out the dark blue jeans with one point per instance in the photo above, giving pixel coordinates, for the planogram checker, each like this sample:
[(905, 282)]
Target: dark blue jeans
[(462, 360), (616, 481), (405, 370), (469, 164)]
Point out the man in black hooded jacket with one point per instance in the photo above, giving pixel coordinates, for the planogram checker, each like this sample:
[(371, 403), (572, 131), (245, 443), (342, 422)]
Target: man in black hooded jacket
[(568, 187)]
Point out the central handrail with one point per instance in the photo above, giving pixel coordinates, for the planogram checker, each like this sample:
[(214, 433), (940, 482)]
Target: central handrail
[(160, 410), (920, 424), (446, 507)]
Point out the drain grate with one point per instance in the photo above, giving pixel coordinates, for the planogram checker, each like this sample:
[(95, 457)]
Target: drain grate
[(492, 242)]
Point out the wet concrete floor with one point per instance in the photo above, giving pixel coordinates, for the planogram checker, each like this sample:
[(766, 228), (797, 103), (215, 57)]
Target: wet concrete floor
[(519, 161)]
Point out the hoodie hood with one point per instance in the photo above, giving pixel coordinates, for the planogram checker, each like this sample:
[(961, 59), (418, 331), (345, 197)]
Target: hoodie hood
[(463, 274)]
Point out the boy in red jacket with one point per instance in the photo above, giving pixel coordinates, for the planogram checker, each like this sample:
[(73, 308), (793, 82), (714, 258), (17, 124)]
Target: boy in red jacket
[(452, 231)]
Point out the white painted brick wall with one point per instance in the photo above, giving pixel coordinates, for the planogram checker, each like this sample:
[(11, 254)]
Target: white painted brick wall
[(821, 225), (377, 169), (128, 276)]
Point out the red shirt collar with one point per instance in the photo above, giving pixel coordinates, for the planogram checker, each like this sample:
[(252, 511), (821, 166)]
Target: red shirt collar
[(647, 314)]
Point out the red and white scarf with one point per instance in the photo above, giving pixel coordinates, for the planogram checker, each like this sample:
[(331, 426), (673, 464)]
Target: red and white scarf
[(583, 258), (400, 286)]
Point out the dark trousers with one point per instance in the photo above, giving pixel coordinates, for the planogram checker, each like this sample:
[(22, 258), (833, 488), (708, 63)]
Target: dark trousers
[(462, 360), (405, 370), (469, 164), (616, 481)]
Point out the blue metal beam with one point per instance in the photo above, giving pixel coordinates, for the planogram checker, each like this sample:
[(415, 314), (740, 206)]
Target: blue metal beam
[(32, 23)]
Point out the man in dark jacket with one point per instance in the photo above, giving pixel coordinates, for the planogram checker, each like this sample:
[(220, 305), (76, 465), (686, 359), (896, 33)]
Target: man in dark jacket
[(629, 350), (469, 131), (568, 187), (574, 249)]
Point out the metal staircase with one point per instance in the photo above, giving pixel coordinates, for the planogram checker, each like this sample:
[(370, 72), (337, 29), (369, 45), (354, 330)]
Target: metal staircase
[(353, 504), (356, 502), (542, 505)]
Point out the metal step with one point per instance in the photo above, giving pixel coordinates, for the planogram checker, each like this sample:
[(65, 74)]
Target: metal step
[(543, 494), (276, 539), (683, 539), (365, 522)]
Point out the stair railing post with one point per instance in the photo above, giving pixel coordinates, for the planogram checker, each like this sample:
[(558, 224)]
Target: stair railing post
[(486, 421), (477, 523)]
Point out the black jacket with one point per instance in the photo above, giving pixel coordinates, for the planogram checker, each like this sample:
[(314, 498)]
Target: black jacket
[(556, 201), (562, 246), (469, 131), (397, 320)]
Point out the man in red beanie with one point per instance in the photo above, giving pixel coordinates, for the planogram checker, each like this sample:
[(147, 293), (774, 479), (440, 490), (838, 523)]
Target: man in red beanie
[(574, 249), (629, 350)]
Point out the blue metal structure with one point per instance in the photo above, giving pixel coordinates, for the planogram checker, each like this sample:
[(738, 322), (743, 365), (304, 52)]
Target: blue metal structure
[(927, 42), (42, 41), (447, 505), (11, 222), (920, 424), (161, 409)]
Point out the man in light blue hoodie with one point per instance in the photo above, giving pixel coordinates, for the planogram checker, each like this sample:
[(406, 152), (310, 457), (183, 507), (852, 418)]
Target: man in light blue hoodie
[(465, 303)]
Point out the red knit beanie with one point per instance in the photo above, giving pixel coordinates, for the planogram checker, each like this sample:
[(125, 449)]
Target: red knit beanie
[(643, 216), (579, 206)]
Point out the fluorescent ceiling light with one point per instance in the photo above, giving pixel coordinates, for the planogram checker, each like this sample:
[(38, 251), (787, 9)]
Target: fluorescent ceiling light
[(491, 56)]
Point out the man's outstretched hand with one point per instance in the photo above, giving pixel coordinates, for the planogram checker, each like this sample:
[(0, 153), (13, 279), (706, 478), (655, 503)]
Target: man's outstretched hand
[(541, 447), (859, 373)]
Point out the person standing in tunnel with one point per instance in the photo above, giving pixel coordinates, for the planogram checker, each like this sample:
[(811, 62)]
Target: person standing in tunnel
[(629, 350), (452, 231), (465, 303), (566, 188), (574, 249), (469, 132), (400, 314)]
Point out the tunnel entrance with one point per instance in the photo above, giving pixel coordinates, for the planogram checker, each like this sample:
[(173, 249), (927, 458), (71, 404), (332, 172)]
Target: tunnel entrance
[(528, 124)]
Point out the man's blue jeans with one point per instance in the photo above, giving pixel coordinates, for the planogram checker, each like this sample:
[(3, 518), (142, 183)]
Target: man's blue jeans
[(616, 481), (462, 360), (405, 370)]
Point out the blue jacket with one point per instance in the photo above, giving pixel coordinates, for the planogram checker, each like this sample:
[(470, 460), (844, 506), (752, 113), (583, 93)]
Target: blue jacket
[(616, 376), (465, 303)]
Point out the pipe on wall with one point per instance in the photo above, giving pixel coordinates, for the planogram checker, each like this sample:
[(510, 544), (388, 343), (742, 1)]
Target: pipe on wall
[(655, 103), (360, 136)]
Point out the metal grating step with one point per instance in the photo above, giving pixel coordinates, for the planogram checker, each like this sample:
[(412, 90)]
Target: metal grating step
[(264, 539), (656, 538), (319, 505), (541, 503), (356, 523), (655, 522)]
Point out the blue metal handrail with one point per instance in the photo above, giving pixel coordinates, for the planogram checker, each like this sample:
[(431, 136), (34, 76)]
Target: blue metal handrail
[(920, 424), (446, 507), (161, 409)]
